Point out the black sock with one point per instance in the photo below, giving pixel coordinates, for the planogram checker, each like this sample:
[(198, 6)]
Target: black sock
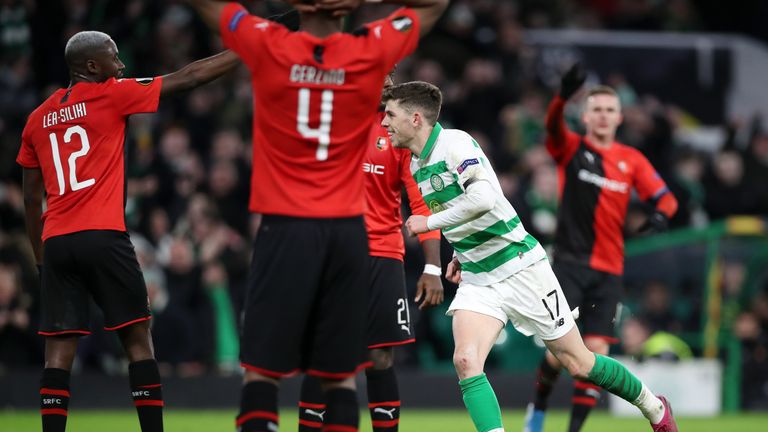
[(258, 407), (311, 405), (342, 414), (585, 397), (546, 377), (147, 392), (383, 399), (54, 399)]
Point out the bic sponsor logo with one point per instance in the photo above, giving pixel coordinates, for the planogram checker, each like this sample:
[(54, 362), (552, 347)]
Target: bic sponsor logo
[(373, 169)]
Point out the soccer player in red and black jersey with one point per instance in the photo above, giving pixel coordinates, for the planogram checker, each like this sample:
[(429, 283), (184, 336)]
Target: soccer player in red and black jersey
[(315, 98), (72, 148), (387, 171), (597, 175)]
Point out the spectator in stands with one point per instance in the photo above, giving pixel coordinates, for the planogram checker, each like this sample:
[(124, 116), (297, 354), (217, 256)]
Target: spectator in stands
[(18, 340)]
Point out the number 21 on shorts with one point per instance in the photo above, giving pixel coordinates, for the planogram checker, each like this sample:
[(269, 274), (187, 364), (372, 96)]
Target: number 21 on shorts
[(323, 132)]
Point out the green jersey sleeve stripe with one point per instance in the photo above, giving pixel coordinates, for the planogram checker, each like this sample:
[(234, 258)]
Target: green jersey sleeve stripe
[(498, 229), (500, 257), (427, 172), (450, 192)]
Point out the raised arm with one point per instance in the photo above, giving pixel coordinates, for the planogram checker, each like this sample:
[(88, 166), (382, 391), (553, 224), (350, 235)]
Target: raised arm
[(429, 11), (33, 209), (199, 72), (561, 142)]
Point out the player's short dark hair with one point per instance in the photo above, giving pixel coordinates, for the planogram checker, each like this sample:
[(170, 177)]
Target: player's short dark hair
[(83, 45), (416, 96), (602, 90)]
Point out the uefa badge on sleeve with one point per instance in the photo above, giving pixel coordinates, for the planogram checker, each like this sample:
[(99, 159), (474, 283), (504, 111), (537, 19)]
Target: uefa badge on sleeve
[(402, 23)]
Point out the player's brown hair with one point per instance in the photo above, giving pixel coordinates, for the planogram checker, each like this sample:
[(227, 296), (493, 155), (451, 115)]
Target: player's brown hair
[(416, 96), (602, 90)]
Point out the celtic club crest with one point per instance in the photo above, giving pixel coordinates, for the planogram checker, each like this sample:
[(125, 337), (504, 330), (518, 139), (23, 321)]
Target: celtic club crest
[(437, 183)]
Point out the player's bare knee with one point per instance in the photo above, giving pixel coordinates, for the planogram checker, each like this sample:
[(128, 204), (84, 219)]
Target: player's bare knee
[(330, 384), (466, 363), (382, 358), (137, 341), (597, 345), (251, 376)]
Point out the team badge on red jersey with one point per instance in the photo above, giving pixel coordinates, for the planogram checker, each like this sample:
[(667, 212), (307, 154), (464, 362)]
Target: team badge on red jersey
[(381, 143)]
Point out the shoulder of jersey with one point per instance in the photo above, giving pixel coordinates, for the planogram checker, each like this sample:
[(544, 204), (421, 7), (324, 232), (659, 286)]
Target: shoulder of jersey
[(456, 137)]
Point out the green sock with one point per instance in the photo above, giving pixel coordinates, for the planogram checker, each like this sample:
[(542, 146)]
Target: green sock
[(616, 378), (481, 403)]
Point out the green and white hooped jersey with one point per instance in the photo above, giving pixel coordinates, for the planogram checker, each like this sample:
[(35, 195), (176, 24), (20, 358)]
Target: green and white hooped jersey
[(492, 247)]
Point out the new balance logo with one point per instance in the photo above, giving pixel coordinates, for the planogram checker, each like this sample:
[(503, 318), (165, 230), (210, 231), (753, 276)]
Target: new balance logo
[(389, 412), (318, 414), (559, 322)]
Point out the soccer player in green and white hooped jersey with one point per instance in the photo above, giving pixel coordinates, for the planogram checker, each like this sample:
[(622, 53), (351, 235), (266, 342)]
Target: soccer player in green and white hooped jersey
[(502, 271)]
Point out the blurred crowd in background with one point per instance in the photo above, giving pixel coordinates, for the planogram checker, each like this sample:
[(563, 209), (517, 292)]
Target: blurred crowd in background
[(188, 166)]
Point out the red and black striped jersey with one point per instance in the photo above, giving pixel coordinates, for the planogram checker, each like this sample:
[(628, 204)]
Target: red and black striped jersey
[(595, 188)]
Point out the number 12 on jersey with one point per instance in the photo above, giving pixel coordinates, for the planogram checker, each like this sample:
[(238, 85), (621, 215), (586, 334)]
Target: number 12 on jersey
[(85, 146), (323, 132)]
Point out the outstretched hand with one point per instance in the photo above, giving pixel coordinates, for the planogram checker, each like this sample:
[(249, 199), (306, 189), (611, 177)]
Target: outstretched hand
[(572, 81)]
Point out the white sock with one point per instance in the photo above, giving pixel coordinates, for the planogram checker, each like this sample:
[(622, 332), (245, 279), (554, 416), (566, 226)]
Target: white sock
[(651, 406)]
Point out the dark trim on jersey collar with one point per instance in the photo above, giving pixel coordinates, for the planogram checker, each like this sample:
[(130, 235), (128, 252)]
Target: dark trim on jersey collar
[(431, 141)]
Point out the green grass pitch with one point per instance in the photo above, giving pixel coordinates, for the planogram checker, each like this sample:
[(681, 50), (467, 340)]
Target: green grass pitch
[(412, 421)]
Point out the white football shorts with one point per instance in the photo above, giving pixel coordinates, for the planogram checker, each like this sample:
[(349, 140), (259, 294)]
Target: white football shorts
[(531, 299)]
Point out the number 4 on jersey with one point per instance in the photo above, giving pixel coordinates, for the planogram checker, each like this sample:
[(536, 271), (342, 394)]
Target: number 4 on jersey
[(323, 132)]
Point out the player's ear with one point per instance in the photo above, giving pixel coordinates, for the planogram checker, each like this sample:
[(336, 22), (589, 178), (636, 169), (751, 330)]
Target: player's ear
[(417, 119), (92, 67)]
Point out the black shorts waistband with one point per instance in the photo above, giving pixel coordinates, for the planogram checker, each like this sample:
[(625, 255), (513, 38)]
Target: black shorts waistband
[(272, 218)]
